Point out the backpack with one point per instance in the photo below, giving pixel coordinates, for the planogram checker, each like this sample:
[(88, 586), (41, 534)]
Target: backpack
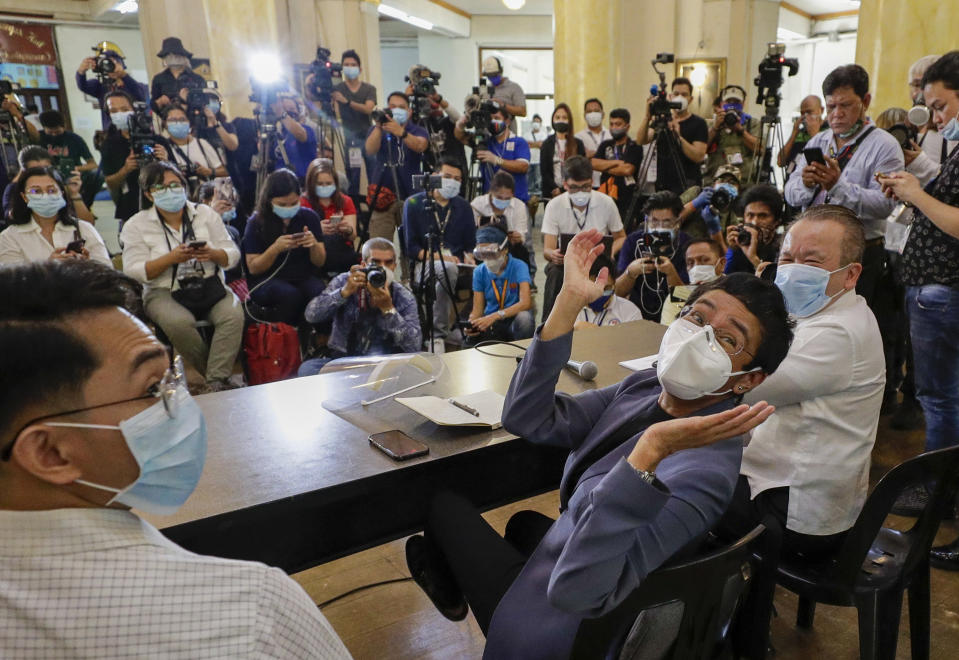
[(272, 352)]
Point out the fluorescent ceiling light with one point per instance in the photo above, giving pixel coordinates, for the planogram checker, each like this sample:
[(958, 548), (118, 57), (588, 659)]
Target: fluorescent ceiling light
[(127, 7), (401, 15), (514, 4)]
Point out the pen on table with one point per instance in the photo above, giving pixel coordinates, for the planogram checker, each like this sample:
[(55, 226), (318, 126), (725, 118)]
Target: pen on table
[(463, 406)]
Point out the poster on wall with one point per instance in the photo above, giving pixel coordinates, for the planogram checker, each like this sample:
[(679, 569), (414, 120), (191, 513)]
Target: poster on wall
[(28, 55)]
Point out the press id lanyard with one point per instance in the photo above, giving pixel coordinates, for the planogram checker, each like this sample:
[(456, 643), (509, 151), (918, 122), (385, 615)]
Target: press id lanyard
[(581, 225), (500, 296)]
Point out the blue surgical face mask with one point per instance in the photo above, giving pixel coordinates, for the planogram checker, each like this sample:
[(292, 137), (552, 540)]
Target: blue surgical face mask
[(228, 215), (121, 119), (351, 72), (213, 106), (598, 304), (46, 205), (501, 204), (170, 201), (804, 288), (951, 130), (178, 129), (449, 188), (325, 191), (170, 452), (495, 80), (400, 115), (286, 212)]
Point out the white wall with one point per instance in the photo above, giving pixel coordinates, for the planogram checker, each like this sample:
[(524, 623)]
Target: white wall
[(73, 44), (816, 59), (397, 61)]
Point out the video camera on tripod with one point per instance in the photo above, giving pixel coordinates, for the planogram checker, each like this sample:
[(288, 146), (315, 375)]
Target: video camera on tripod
[(323, 72), (197, 98), (661, 108), (770, 77), (142, 137), (424, 82), (479, 109)]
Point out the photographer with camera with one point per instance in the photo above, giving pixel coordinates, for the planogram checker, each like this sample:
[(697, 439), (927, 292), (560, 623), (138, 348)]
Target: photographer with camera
[(371, 312), (179, 251), (733, 136), (805, 127), (111, 74), (123, 153), (398, 146), (685, 138), (297, 142), (507, 93), (436, 115), (355, 101), (754, 244), (44, 225), (70, 154), (215, 128), (35, 156), (502, 301), (177, 74), (556, 148), (713, 208), (440, 235), (196, 158), (845, 160), (617, 161), (653, 259), (506, 151)]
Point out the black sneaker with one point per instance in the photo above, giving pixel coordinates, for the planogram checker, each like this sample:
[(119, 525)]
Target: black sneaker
[(908, 416), (911, 501), (435, 580)]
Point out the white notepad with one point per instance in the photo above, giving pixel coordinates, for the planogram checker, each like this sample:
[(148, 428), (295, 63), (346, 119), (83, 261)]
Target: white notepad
[(488, 404), (638, 364)]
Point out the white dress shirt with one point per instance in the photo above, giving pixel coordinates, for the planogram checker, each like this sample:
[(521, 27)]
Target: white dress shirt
[(827, 394), (145, 237), (560, 217), (198, 151), (516, 214), (102, 583), (618, 310), (592, 141), (22, 243)]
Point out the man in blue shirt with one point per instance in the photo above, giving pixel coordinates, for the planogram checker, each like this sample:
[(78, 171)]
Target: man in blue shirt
[(298, 146), (504, 151), (117, 79), (398, 146), (450, 220), (653, 259), (501, 293)]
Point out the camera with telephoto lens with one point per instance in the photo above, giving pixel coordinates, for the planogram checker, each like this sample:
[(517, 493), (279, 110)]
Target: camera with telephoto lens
[(197, 99), (721, 199), (423, 80), (104, 66), (323, 71), (905, 134), (142, 137), (375, 275), (658, 243), (770, 77), (479, 110)]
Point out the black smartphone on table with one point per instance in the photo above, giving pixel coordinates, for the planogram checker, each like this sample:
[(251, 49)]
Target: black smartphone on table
[(398, 446), (814, 155)]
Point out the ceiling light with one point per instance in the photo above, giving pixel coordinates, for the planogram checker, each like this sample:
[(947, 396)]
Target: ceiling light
[(419, 22), (127, 7), (699, 75), (401, 15), (514, 5)]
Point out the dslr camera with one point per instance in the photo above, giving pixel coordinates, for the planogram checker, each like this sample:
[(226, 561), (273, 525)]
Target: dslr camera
[(323, 72), (904, 134), (142, 137), (375, 275), (743, 237), (381, 116), (658, 243), (661, 108)]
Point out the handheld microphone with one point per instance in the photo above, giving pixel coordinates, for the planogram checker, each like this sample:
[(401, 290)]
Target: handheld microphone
[(586, 370)]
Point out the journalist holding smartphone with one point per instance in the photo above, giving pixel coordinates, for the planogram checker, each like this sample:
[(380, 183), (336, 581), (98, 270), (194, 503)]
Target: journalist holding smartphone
[(179, 250), (44, 226)]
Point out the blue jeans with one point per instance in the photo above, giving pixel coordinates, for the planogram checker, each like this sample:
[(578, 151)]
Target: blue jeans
[(933, 318)]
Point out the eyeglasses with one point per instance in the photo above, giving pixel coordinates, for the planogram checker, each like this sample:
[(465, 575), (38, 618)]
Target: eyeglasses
[(174, 187), (37, 190), (586, 187), (731, 342), (165, 390)]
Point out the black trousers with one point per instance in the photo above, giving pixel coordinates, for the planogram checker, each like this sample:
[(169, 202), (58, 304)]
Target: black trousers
[(873, 268), (483, 563)]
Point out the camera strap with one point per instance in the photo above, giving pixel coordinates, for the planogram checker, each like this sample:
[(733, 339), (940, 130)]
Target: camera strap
[(846, 153), (187, 234)]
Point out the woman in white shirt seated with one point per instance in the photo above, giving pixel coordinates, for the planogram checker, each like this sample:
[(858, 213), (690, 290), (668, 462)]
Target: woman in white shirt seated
[(501, 208), (179, 250), (194, 156), (44, 226)]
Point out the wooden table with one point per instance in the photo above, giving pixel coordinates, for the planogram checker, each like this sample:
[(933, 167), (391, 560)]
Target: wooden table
[(291, 484)]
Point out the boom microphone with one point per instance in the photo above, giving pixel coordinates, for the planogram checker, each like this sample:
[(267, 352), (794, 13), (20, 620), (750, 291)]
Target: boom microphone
[(586, 370)]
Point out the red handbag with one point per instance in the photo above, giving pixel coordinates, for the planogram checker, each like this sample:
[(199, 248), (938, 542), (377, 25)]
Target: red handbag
[(272, 352)]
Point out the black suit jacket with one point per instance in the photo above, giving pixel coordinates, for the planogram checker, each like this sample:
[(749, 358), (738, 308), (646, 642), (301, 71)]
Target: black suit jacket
[(546, 153)]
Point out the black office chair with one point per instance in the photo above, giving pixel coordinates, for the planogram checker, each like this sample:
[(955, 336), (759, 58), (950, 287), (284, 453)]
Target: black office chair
[(709, 586), (876, 564)]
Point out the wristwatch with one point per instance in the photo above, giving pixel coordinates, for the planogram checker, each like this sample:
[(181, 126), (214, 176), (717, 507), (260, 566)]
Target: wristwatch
[(405, 133), (502, 314), (650, 478), (390, 311)]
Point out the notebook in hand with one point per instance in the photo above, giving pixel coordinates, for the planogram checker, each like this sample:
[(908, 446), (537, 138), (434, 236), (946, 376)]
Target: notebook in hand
[(483, 408)]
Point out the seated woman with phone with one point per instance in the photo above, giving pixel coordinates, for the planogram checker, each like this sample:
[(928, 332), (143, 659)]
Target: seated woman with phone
[(43, 225), (323, 195), (179, 251), (653, 463), (284, 250)]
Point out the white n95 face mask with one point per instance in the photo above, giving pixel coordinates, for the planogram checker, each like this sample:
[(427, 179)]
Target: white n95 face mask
[(691, 363), (701, 273), (170, 451)]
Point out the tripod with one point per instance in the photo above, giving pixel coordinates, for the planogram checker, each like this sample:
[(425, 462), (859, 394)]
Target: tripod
[(662, 136), (771, 137), (266, 146), (11, 135), (474, 180)]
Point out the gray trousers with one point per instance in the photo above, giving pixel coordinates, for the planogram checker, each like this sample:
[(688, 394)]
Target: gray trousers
[(215, 362)]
